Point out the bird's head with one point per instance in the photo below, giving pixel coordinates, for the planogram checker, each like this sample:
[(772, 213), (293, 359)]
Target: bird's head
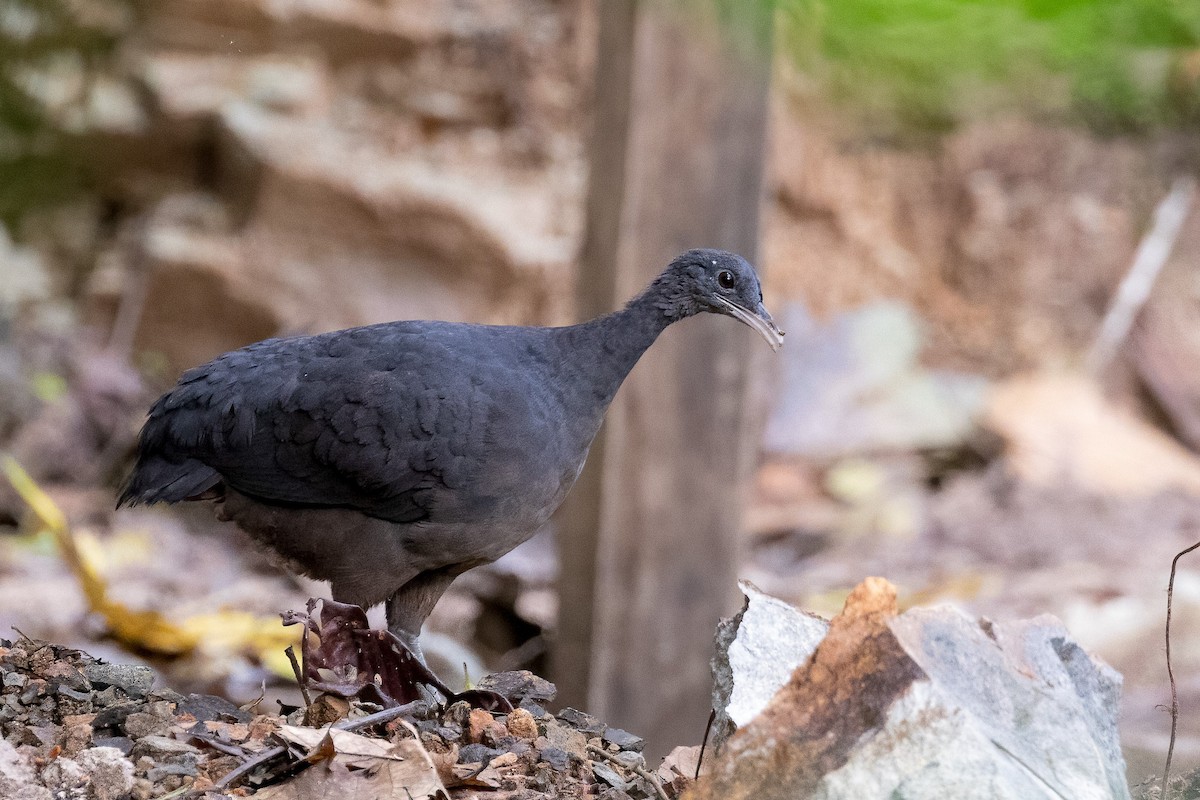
[(718, 282)]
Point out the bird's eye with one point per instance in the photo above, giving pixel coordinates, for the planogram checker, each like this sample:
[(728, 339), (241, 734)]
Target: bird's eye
[(725, 279)]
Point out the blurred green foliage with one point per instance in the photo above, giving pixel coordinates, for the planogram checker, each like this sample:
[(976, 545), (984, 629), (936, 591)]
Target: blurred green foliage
[(49, 51), (1118, 65)]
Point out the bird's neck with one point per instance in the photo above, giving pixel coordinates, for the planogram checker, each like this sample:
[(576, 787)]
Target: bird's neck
[(616, 341)]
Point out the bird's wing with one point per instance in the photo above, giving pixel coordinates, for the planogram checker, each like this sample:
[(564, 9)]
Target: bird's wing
[(368, 419)]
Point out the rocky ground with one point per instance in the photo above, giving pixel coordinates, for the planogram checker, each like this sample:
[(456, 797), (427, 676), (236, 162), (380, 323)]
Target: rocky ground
[(77, 727)]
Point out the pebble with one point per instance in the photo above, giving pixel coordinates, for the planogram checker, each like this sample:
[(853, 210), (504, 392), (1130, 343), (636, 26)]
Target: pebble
[(135, 680), (521, 724), (584, 723), (609, 775), (478, 721), (624, 739), (520, 685), (476, 754), (141, 724), (160, 746)]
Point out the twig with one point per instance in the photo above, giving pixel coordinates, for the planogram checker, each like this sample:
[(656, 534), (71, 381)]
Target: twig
[(1148, 261), (228, 748), (712, 716), (641, 772), (290, 652), (387, 715), (379, 717), (246, 766), (1170, 674)]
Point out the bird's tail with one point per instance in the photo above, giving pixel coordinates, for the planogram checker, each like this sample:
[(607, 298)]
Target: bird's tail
[(159, 480)]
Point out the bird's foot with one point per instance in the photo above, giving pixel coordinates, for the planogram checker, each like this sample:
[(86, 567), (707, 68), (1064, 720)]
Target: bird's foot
[(412, 642)]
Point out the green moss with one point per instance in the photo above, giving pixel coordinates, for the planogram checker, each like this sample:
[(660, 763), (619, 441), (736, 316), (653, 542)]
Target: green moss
[(1117, 65)]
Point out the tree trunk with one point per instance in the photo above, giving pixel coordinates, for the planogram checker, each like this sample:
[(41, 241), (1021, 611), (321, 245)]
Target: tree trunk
[(650, 542)]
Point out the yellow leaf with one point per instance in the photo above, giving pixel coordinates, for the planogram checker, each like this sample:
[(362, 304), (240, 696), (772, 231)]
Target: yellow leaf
[(149, 631)]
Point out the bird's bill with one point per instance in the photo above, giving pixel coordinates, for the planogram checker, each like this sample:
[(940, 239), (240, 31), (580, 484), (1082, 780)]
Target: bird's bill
[(758, 319)]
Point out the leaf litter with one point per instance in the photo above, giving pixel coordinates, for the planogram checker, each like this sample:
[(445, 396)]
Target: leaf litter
[(73, 725)]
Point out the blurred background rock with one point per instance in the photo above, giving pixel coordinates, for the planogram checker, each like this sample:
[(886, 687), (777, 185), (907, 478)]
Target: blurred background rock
[(955, 191)]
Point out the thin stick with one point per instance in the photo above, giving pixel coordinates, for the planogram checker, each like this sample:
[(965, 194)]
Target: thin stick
[(387, 715), (379, 717), (712, 717), (641, 772), (246, 766), (290, 652), (1170, 674), (1148, 261)]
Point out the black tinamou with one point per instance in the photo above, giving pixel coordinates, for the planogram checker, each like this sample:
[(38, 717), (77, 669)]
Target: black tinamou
[(391, 458)]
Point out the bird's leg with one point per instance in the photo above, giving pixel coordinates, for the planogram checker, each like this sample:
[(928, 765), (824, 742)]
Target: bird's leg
[(412, 603)]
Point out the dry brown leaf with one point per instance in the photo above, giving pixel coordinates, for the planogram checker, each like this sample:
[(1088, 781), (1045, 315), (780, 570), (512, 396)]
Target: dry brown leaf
[(349, 748), (472, 775)]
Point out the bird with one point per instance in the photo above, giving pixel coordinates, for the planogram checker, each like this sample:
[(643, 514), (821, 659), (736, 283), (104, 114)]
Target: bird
[(389, 459)]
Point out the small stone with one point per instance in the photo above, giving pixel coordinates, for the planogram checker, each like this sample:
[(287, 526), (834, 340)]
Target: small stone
[(497, 736), (34, 689), (521, 724), (15, 770), (133, 679), (459, 714), (565, 738), (163, 709), (15, 679), (161, 747), (31, 792), (122, 743), (169, 784), (477, 722), (16, 658), (519, 685), (226, 731), (326, 709), (113, 717), (66, 675), (64, 777), (110, 773), (584, 723), (450, 733), (110, 696), (141, 724), (477, 754), (624, 739), (175, 698), (45, 735), (76, 736), (80, 697), (205, 707), (41, 658), (609, 775), (556, 757), (537, 711), (183, 769)]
